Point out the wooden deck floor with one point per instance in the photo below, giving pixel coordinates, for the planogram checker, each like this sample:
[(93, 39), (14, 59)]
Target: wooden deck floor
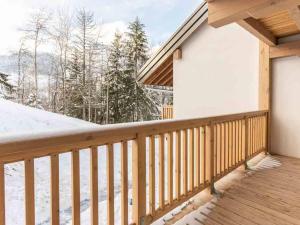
[(266, 196)]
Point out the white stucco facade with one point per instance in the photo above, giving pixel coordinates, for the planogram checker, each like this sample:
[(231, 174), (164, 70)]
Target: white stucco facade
[(218, 73), (286, 106)]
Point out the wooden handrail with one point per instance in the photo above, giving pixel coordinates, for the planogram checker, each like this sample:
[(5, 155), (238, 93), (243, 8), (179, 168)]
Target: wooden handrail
[(197, 152), (46, 143)]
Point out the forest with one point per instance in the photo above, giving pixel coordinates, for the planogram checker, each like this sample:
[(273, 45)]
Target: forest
[(79, 76)]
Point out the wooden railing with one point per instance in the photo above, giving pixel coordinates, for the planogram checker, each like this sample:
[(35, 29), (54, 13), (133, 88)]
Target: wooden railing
[(197, 152), (167, 112)]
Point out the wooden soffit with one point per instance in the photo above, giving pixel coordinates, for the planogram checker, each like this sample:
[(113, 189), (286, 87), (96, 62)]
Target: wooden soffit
[(268, 20)]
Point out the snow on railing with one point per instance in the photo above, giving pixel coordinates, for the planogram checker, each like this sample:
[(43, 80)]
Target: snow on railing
[(197, 152)]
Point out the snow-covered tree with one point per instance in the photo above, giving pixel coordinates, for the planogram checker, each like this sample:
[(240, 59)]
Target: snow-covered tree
[(6, 88), (35, 31), (140, 104)]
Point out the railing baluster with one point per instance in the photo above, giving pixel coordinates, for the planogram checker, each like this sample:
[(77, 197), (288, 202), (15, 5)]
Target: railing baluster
[(94, 184), (212, 157), (75, 188), (246, 140), (152, 174), (223, 146), (202, 157), (54, 164), (197, 156), (191, 159), (178, 165), (205, 157), (110, 184), (29, 192), (161, 171), (184, 162), (2, 194), (170, 167), (217, 149), (230, 143), (215, 156), (124, 183), (139, 179)]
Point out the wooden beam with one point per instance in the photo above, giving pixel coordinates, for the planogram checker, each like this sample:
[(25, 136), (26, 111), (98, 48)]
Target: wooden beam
[(258, 30), (177, 55), (264, 77), (225, 12), (285, 50), (295, 15)]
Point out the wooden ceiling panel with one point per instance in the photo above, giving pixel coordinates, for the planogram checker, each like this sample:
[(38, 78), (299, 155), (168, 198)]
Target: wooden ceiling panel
[(162, 73), (280, 24)]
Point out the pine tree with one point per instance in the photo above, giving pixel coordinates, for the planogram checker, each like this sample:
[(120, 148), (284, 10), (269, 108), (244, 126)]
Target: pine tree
[(114, 82), (140, 104), (6, 89), (74, 100)]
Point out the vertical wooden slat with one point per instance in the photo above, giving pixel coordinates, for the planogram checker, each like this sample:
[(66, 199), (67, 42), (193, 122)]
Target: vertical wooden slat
[(197, 156), (237, 135), (161, 171), (139, 178), (170, 167), (152, 174), (216, 150), (230, 143), (206, 142), (124, 183), (212, 155), (241, 139), (29, 192), (110, 184), (178, 165), (234, 142), (54, 169), (203, 156), (226, 145), (191, 159), (75, 188), (223, 147), (184, 162), (2, 194), (94, 184)]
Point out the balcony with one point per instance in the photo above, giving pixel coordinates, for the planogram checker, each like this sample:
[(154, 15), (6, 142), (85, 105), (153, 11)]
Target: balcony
[(172, 161), (167, 112)]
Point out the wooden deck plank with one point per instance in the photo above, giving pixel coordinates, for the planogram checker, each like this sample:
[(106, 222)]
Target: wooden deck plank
[(267, 196)]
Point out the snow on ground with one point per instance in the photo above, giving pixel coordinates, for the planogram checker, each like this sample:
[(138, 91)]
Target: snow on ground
[(19, 119)]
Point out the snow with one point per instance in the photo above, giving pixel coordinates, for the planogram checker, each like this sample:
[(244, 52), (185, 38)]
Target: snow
[(19, 119), (16, 118)]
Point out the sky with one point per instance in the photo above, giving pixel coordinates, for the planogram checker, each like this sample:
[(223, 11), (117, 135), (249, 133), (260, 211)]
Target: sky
[(161, 17)]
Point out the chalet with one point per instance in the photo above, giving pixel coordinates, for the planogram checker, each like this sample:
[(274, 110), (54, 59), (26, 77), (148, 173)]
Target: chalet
[(234, 68)]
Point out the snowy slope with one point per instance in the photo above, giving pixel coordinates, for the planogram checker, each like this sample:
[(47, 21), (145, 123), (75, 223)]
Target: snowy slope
[(17, 118)]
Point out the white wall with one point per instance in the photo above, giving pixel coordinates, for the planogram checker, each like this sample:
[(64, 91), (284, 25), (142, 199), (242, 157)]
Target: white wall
[(218, 73), (286, 106)]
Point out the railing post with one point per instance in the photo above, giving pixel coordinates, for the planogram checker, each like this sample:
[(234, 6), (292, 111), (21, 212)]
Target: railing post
[(212, 159), (139, 179), (246, 142)]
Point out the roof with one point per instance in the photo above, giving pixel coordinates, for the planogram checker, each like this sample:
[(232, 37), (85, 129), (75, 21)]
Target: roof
[(158, 70)]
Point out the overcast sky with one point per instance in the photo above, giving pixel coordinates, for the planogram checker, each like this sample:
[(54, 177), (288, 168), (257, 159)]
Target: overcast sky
[(161, 17)]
